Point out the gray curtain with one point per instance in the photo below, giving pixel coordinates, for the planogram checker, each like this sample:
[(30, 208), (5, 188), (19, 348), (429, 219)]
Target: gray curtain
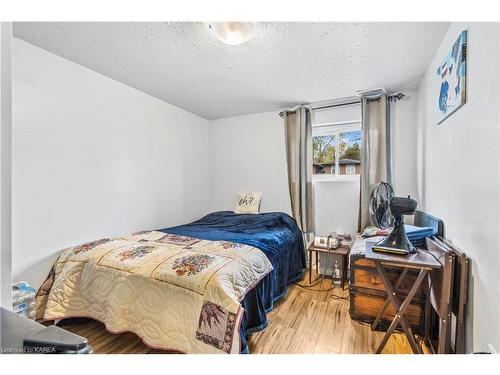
[(375, 151), (298, 139)]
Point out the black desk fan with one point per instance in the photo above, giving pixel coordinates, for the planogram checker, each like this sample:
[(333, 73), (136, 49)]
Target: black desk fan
[(387, 211)]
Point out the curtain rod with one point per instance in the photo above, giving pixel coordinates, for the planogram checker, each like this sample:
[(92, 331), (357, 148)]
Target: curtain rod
[(336, 105), (391, 97)]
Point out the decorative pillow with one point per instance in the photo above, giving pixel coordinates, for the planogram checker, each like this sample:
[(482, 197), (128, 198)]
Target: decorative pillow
[(248, 203)]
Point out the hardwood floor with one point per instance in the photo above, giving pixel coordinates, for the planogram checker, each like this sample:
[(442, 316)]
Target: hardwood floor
[(308, 322), (304, 322)]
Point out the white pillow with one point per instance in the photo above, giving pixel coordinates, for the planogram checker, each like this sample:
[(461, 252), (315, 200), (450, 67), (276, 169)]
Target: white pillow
[(248, 203)]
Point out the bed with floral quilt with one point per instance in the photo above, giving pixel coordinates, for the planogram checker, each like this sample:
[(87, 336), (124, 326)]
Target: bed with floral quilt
[(177, 293), (183, 289)]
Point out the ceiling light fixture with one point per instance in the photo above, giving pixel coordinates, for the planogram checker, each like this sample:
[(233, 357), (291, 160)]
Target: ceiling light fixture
[(232, 33)]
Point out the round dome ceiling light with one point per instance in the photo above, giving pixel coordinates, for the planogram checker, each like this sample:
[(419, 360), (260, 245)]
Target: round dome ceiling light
[(232, 33)]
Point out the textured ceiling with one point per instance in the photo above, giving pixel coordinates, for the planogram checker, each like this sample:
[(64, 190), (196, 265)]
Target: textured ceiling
[(284, 64)]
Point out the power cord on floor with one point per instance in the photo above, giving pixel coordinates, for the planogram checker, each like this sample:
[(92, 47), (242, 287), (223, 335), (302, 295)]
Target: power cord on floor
[(333, 296)]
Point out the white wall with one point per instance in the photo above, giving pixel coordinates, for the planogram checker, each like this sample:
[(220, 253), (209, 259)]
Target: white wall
[(248, 154), (5, 165), (404, 144), (459, 173), (94, 158)]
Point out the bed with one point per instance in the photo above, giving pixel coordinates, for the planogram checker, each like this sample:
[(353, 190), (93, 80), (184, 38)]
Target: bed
[(196, 288), (277, 235)]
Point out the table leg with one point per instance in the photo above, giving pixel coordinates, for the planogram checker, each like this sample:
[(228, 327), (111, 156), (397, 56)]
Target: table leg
[(400, 308), (344, 270), (317, 263), (310, 266), (386, 303)]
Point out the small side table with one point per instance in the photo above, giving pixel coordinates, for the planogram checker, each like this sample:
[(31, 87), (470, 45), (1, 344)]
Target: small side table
[(342, 250)]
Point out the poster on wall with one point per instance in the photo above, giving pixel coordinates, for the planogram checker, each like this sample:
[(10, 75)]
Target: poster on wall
[(452, 78)]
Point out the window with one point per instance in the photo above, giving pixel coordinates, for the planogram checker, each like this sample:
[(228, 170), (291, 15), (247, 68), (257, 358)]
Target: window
[(324, 154), (350, 169), (336, 150)]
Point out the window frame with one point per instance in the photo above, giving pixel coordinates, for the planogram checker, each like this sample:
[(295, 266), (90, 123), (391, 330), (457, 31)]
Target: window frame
[(329, 129)]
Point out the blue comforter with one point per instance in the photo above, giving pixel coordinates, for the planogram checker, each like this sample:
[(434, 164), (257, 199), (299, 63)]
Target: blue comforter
[(277, 235)]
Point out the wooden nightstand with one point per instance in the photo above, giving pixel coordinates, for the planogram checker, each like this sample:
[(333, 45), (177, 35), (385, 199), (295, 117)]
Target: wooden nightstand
[(342, 250)]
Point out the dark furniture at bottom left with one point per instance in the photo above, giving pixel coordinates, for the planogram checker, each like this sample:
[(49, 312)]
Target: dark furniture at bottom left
[(21, 335)]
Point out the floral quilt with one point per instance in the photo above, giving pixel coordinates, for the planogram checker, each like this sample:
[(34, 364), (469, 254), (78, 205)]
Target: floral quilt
[(177, 293)]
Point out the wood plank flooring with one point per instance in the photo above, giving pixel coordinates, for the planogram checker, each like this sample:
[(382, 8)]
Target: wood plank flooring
[(304, 322)]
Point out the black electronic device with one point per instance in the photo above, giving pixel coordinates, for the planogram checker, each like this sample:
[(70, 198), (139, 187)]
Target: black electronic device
[(387, 211), (56, 340), (397, 241)]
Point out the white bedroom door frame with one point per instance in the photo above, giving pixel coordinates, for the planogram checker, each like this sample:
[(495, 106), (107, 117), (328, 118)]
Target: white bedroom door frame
[(5, 164)]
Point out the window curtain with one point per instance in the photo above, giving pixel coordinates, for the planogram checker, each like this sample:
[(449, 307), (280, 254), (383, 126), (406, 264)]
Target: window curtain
[(375, 151), (299, 155)]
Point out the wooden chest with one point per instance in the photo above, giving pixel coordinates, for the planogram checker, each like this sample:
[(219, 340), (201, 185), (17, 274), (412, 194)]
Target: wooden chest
[(367, 294)]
